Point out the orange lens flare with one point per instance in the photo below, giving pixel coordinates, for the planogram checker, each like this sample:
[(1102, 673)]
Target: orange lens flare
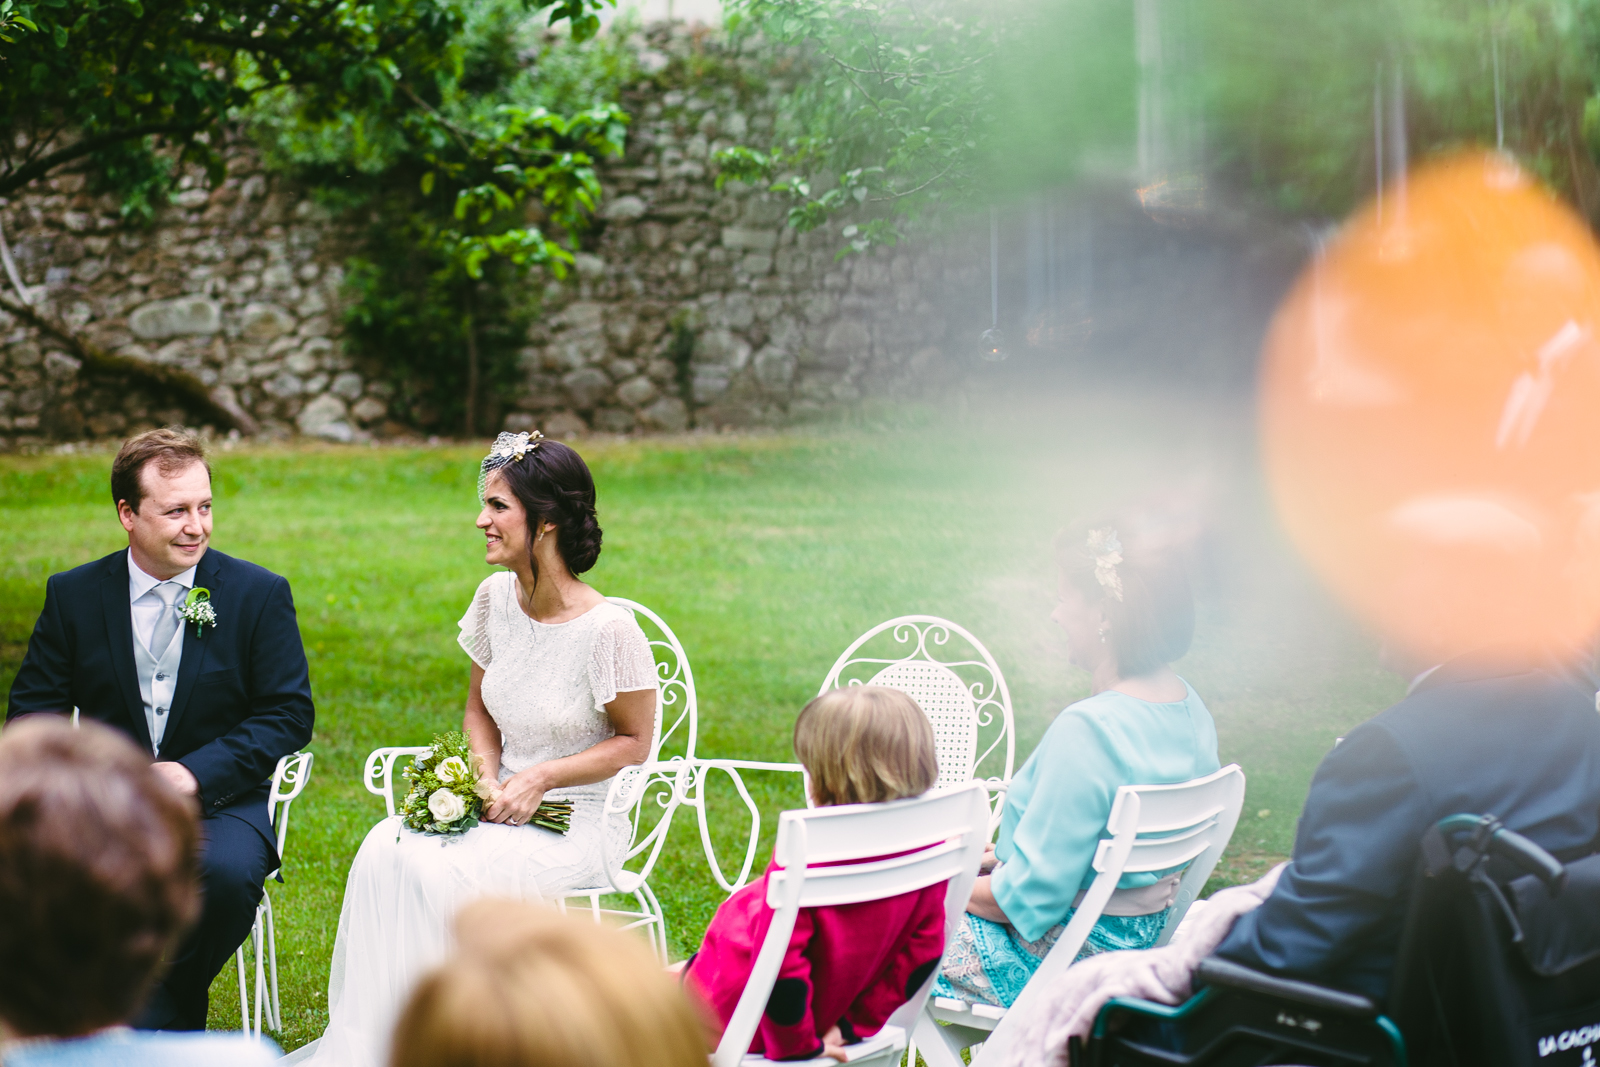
[(1431, 412)]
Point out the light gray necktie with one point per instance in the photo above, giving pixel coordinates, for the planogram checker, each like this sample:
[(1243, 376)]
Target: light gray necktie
[(167, 621)]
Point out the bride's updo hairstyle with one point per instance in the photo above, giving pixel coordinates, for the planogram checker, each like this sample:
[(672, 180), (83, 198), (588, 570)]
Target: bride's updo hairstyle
[(1138, 575), (553, 484)]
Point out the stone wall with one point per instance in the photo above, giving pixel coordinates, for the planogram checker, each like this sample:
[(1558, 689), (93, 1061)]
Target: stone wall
[(238, 285), (689, 306), (701, 306)]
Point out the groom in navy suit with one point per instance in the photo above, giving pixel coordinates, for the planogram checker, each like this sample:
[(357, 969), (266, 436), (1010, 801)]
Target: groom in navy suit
[(215, 703)]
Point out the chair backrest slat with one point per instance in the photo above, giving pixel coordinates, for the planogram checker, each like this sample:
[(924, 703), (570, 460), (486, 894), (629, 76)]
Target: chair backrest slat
[(846, 832), (1158, 854), (1165, 808), (873, 880), (1162, 849)]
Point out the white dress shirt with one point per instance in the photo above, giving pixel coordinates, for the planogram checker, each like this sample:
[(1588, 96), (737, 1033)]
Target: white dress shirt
[(158, 670)]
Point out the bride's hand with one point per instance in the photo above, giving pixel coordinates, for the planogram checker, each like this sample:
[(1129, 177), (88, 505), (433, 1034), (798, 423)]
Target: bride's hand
[(516, 800)]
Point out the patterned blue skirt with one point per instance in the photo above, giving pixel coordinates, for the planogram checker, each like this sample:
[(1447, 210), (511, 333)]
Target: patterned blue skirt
[(989, 962)]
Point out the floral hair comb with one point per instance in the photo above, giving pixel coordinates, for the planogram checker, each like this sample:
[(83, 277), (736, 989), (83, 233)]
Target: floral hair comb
[(1106, 549)]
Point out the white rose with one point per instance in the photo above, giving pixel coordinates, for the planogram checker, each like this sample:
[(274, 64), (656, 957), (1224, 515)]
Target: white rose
[(452, 770), (446, 806)]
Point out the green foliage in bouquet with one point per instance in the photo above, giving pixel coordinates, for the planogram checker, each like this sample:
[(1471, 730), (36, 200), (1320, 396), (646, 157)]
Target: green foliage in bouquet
[(447, 791)]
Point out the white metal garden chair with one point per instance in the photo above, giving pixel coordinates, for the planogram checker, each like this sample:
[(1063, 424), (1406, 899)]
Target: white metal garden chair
[(960, 689), (288, 782), (831, 856), (1152, 828), (648, 793)]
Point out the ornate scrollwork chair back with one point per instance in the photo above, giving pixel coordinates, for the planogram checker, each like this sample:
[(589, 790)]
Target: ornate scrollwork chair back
[(956, 682)]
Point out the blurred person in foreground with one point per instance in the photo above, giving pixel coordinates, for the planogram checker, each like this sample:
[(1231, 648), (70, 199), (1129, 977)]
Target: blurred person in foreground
[(196, 657), (1490, 730), (97, 880), (1128, 613), (530, 987), (848, 967)]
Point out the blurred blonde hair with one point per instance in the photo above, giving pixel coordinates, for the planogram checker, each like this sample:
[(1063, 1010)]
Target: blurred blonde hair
[(530, 987), (864, 744)]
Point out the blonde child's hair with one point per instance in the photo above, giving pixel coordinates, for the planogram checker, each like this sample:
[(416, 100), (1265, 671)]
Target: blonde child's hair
[(531, 987), (864, 744)]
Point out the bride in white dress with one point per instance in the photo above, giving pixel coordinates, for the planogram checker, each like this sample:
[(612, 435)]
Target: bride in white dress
[(562, 697)]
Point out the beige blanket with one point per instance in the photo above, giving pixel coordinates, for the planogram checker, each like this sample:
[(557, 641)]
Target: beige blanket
[(1068, 1006)]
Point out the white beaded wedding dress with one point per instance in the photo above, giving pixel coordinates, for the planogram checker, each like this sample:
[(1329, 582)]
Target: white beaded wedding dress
[(546, 686)]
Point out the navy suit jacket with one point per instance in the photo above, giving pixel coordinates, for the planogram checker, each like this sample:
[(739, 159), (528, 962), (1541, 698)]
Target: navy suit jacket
[(243, 698), (1484, 734)]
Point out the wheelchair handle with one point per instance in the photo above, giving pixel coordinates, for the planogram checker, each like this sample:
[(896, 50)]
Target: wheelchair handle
[(1489, 837)]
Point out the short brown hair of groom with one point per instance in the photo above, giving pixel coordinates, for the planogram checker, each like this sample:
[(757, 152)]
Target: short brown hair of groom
[(865, 743), (172, 450), (98, 876), (530, 987)]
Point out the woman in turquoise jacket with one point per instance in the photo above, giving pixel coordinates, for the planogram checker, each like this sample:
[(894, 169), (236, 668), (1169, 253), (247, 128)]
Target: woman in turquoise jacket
[(1126, 620)]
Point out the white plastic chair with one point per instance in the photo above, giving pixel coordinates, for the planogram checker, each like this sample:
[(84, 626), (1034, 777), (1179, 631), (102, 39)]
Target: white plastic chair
[(288, 782), (1152, 828), (662, 781), (941, 835), (963, 694)]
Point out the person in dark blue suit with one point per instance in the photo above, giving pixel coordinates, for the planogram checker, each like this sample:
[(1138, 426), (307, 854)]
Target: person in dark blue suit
[(216, 703), (1487, 733)]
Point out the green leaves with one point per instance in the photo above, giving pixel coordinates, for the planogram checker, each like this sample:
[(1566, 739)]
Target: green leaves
[(11, 21), (477, 169), (892, 115), (136, 78), (518, 153), (743, 164)]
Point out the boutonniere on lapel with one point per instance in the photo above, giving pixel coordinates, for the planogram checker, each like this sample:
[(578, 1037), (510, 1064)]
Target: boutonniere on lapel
[(198, 610)]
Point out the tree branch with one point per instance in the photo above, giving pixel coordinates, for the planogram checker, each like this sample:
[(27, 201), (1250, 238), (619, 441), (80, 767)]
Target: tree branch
[(216, 404), (457, 132), (899, 75), (857, 84), (909, 192), (84, 146)]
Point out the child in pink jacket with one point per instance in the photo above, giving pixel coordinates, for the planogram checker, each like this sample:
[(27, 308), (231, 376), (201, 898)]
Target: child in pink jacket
[(849, 966)]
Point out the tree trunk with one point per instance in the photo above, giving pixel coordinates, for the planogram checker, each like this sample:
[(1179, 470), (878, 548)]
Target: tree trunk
[(471, 330), (217, 404)]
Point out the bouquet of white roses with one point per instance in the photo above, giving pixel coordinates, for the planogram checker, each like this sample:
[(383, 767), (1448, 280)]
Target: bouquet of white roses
[(448, 791)]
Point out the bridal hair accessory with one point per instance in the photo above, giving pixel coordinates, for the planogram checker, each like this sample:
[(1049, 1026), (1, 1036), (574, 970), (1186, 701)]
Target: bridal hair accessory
[(448, 792), (507, 448), (198, 610), (1107, 552)]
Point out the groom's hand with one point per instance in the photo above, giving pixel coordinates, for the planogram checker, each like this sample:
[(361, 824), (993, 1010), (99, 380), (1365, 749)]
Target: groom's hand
[(179, 777)]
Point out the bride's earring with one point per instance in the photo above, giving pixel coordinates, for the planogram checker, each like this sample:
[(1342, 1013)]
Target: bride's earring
[(1103, 631), (540, 535)]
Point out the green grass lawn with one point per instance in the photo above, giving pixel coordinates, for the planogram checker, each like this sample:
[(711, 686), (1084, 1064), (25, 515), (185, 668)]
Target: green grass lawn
[(767, 554)]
